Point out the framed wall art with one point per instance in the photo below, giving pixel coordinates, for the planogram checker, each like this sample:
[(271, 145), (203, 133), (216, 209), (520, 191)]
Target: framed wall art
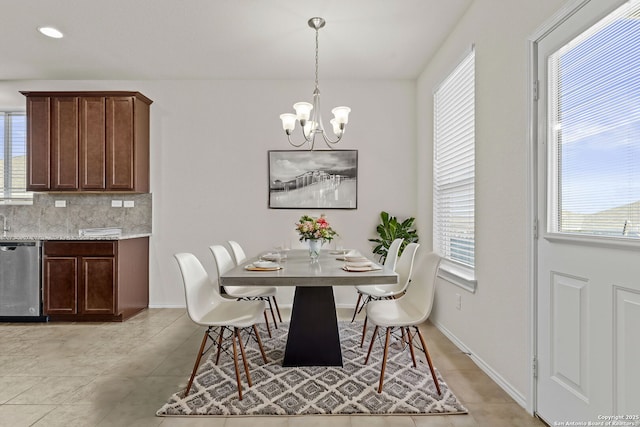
[(321, 179)]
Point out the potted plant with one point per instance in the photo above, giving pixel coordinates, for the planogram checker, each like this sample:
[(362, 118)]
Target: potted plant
[(390, 229)]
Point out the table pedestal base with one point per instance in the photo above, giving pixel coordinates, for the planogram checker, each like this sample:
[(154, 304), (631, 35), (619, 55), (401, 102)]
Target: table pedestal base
[(313, 338)]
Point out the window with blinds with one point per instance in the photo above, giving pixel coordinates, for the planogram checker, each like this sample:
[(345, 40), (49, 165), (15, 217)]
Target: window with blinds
[(13, 158), (454, 165), (594, 129)]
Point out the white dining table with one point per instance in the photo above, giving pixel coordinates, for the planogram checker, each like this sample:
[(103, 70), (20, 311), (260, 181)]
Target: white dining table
[(313, 338)]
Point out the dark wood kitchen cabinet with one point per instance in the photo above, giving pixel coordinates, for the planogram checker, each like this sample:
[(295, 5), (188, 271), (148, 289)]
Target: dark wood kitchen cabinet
[(87, 141), (64, 143), (39, 143), (95, 280)]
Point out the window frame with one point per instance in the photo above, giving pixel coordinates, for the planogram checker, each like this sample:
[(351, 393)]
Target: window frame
[(454, 85), (555, 230), (8, 195)]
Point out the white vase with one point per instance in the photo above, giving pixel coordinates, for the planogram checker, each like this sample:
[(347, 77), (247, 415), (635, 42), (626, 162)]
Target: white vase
[(314, 248)]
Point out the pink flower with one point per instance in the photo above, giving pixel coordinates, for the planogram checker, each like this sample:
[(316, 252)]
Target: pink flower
[(314, 228)]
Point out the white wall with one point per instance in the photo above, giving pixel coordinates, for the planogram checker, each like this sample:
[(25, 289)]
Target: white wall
[(494, 323), (209, 143)]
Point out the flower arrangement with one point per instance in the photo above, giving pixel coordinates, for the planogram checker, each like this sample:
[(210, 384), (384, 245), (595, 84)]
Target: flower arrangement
[(315, 228)]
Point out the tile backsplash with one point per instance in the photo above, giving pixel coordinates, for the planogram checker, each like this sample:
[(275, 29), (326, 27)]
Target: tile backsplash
[(80, 211)]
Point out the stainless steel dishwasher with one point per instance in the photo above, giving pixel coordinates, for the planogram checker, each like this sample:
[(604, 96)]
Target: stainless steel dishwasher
[(20, 281)]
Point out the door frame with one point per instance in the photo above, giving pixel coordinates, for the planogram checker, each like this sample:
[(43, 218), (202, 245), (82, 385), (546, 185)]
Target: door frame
[(565, 12)]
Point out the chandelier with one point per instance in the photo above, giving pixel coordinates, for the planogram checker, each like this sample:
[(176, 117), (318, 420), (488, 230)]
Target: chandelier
[(309, 116)]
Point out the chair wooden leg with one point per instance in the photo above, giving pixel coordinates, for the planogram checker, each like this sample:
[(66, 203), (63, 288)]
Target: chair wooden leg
[(195, 367), (384, 358), (413, 354), (273, 314), (264, 356), (244, 357), (235, 363), (364, 331), (219, 344), (426, 352), (373, 337), (355, 310), (266, 321), (277, 308)]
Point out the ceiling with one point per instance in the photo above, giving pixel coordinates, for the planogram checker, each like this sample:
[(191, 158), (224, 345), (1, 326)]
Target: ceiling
[(221, 39)]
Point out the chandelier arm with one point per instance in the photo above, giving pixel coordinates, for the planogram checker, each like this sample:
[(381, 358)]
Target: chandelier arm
[(330, 142), (305, 141)]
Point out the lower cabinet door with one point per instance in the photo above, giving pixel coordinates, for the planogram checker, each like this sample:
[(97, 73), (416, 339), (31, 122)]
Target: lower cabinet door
[(60, 285), (98, 294)]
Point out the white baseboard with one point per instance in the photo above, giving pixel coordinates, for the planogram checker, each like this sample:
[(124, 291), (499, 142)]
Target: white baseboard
[(485, 367)]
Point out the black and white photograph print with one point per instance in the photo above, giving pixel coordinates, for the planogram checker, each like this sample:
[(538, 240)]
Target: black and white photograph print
[(322, 179)]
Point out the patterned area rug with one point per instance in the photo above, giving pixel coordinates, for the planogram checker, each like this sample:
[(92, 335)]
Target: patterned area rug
[(351, 389)]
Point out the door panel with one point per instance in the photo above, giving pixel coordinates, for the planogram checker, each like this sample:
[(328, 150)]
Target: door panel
[(93, 149), (578, 354), (120, 143), (60, 285), (626, 350), (64, 143), (98, 290), (569, 328), (38, 143)]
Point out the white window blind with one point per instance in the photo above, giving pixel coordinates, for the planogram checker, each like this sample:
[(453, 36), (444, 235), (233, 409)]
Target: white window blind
[(13, 158), (454, 165), (594, 129)]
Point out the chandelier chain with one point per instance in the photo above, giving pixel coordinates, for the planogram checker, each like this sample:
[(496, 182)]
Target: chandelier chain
[(317, 60)]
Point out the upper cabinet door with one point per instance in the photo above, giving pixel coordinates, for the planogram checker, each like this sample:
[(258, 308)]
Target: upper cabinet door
[(93, 148), (64, 143), (120, 143), (38, 143)]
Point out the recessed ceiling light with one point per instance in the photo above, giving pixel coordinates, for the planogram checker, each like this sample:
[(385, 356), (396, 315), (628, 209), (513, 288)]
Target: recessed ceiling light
[(51, 32)]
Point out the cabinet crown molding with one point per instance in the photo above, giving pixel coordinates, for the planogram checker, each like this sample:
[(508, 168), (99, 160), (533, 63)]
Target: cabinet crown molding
[(138, 95)]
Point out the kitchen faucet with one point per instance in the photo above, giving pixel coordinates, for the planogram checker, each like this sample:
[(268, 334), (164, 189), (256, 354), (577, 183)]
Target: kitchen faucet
[(5, 228)]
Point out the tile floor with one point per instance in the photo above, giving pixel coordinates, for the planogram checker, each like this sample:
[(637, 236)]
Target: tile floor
[(119, 374)]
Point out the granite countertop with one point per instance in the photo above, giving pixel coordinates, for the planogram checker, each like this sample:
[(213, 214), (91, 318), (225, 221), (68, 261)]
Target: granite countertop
[(11, 236)]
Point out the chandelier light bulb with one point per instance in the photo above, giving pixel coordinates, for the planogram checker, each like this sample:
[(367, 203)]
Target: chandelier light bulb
[(309, 128), (303, 111), (337, 127), (341, 114), (288, 122)]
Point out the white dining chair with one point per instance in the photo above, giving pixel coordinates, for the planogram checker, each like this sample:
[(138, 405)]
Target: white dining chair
[(406, 313), (206, 307), (239, 257), (224, 263), (368, 293), (236, 251), (404, 268)]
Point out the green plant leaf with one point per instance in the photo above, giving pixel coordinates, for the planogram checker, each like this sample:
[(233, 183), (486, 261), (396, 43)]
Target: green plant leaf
[(390, 229)]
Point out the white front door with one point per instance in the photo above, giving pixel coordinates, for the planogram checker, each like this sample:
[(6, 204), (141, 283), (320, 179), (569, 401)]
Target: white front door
[(588, 199)]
